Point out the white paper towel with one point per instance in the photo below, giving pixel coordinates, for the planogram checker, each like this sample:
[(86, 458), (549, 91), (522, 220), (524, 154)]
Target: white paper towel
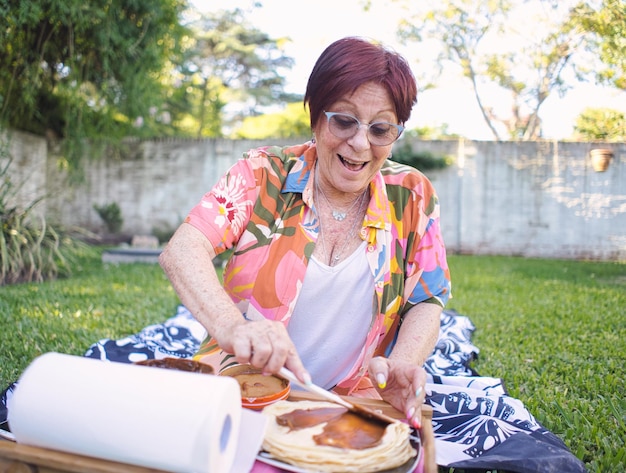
[(165, 419)]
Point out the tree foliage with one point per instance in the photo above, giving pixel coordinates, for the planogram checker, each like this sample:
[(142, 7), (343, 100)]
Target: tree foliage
[(605, 29), (108, 69), (491, 48), (74, 69), (292, 122), (229, 71), (602, 124)]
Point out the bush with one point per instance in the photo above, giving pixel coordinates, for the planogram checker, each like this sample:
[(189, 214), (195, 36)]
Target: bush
[(422, 160), (30, 249), (111, 215)]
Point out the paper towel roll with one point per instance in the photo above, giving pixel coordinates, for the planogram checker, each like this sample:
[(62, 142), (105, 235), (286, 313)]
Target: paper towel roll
[(164, 419)]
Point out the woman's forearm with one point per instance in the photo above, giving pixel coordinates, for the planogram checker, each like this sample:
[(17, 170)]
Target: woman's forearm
[(418, 334), (188, 262)]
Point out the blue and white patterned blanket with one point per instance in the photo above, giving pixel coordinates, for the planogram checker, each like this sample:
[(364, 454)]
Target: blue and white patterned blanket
[(477, 425)]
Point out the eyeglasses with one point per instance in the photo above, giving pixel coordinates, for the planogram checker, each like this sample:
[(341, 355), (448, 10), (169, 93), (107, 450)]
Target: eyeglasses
[(345, 126)]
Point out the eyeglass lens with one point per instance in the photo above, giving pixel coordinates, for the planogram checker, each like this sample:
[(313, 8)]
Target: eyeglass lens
[(346, 126)]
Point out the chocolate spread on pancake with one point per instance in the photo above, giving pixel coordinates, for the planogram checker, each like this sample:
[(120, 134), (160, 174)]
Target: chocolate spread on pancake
[(343, 429)]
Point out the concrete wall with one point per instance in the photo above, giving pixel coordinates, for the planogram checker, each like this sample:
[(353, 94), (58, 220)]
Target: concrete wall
[(155, 183), (538, 199), (25, 157)]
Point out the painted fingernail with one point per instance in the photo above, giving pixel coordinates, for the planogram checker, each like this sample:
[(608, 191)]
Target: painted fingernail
[(416, 423), (380, 379), (410, 413), (418, 391), (307, 379)]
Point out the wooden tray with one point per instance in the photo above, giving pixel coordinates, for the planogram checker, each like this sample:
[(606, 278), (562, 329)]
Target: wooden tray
[(18, 458)]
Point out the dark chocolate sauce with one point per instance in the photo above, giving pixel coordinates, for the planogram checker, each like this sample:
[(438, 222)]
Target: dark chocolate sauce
[(343, 429)]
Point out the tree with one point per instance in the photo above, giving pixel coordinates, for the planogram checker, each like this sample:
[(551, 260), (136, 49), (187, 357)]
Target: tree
[(91, 73), (605, 29), (230, 67), (74, 69), (429, 133), (496, 47), (292, 122), (601, 124)]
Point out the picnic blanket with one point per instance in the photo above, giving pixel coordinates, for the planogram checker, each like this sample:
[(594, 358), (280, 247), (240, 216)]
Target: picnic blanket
[(477, 425)]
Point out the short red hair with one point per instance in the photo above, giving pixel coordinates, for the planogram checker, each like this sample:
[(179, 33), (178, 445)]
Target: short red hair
[(350, 62)]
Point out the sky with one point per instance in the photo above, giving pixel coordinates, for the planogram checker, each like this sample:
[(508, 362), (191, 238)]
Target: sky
[(314, 24)]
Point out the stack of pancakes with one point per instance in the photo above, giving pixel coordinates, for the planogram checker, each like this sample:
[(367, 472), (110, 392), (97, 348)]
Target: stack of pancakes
[(323, 436)]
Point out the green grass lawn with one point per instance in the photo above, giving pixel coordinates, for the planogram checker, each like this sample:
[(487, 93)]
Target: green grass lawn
[(554, 331)]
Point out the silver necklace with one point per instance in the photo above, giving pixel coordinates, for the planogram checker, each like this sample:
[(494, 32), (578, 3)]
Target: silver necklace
[(337, 214), (337, 255)]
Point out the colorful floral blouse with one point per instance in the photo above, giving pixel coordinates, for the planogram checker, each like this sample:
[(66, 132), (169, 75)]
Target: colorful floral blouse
[(262, 209)]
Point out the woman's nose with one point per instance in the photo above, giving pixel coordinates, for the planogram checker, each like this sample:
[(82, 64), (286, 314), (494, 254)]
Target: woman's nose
[(360, 140)]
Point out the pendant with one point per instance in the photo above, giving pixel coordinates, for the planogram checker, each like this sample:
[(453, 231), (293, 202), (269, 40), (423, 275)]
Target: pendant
[(339, 216)]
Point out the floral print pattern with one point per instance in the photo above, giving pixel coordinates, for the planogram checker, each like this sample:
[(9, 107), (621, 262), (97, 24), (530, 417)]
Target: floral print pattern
[(263, 210), (229, 204)]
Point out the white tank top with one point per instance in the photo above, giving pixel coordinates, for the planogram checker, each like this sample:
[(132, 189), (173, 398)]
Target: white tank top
[(332, 317)]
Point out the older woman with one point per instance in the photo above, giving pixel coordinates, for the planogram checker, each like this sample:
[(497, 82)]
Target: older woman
[(338, 268)]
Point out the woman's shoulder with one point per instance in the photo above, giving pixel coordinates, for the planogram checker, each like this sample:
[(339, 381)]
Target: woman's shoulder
[(281, 160), (283, 153), (395, 173)]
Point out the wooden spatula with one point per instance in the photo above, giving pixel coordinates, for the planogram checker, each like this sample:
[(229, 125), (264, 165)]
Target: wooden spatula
[(361, 411)]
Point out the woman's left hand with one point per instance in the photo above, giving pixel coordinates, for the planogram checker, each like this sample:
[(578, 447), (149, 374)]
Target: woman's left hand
[(401, 384)]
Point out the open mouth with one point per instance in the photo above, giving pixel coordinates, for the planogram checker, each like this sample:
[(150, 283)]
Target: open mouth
[(351, 165)]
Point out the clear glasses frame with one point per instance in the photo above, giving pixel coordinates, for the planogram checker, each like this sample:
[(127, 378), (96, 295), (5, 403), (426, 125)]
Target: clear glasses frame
[(345, 126)]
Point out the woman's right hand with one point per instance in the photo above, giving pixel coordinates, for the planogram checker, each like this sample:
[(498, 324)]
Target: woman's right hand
[(188, 262), (264, 344)]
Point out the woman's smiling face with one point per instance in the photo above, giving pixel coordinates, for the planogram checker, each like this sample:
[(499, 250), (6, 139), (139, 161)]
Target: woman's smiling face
[(349, 165)]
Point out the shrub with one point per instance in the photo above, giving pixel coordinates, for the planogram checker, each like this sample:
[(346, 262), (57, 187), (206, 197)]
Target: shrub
[(31, 250), (422, 160), (111, 215)]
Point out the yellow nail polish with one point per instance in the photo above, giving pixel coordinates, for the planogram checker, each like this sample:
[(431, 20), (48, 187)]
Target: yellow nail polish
[(380, 379)]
